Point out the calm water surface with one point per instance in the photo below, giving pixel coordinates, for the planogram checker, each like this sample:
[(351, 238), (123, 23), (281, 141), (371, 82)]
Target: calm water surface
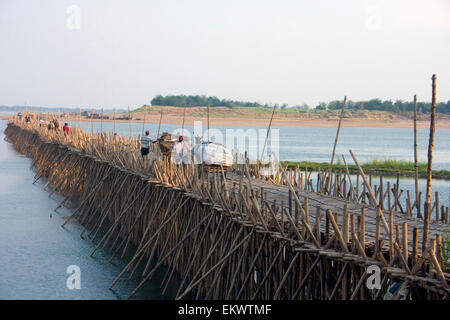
[(316, 143)]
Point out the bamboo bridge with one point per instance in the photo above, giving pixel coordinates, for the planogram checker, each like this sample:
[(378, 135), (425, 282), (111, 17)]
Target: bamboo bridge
[(240, 234)]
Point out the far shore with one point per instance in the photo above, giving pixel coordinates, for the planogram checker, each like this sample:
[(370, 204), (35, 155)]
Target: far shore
[(242, 122)]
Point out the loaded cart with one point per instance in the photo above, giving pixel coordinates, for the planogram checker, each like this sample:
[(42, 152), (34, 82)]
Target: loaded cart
[(213, 156)]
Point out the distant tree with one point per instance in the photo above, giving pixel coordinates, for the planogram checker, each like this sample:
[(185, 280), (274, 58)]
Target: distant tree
[(321, 106), (303, 106), (399, 107), (197, 100), (443, 107), (334, 105), (372, 104), (157, 100)]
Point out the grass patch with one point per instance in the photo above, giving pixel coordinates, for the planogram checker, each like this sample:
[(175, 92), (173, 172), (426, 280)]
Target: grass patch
[(445, 250), (394, 165), (383, 167)]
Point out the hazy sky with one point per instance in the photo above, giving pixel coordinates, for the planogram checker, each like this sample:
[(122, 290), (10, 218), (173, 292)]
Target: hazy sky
[(122, 53)]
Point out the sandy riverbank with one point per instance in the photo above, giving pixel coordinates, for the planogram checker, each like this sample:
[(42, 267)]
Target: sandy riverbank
[(241, 122), (442, 124)]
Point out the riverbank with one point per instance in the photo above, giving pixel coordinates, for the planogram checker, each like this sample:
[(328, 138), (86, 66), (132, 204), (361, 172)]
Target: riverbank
[(257, 116), (378, 167), (151, 118)]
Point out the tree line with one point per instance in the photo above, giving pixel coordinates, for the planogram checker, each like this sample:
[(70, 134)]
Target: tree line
[(398, 107), (194, 101)]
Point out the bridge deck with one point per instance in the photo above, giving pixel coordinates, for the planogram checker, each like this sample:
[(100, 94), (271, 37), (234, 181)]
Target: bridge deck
[(320, 202)]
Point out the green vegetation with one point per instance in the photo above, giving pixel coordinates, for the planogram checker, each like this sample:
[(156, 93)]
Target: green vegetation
[(394, 165), (192, 101), (445, 250), (383, 167), (398, 107)]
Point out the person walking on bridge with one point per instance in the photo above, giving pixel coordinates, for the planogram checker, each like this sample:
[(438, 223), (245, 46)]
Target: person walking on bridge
[(66, 128), (181, 152), (145, 144)]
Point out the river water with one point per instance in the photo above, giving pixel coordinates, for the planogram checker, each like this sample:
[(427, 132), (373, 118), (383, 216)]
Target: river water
[(313, 143), (316, 144), (35, 251)]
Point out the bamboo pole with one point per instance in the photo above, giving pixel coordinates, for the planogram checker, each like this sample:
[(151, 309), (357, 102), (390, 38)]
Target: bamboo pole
[(436, 205), (416, 168), (405, 240), (208, 120), (129, 122), (267, 135), (430, 166), (348, 175), (362, 236), (372, 195), (143, 121), (101, 123), (366, 183), (336, 138), (184, 117), (337, 231), (296, 199), (92, 125), (345, 224), (114, 121), (159, 126)]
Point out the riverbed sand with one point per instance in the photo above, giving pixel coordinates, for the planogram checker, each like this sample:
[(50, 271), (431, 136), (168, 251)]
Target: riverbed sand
[(241, 122)]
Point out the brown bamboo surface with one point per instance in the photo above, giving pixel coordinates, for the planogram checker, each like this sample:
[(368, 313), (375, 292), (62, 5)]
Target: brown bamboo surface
[(321, 202), (245, 234)]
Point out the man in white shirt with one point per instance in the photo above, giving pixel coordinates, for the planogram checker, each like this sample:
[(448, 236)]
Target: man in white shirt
[(181, 152), (145, 144)]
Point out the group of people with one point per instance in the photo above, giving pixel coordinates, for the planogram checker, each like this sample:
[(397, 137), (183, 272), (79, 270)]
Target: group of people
[(181, 149), (27, 117), (54, 125)]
